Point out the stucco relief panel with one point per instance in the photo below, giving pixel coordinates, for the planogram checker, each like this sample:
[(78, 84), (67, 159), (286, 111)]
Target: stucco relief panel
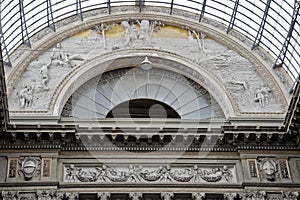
[(248, 89)]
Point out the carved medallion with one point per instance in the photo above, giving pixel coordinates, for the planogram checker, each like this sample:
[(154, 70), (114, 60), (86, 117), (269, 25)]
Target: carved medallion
[(268, 168), (29, 167)]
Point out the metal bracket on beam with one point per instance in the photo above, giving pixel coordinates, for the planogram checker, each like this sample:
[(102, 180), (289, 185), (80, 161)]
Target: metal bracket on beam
[(50, 18), (281, 57), (108, 7), (171, 8), (202, 10), (79, 9), (233, 16), (140, 3), (262, 26), (24, 31)]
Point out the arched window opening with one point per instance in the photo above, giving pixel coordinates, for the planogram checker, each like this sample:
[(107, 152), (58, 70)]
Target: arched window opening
[(143, 108)]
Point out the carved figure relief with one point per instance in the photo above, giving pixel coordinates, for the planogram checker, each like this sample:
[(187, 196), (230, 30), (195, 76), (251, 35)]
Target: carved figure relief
[(262, 96), (71, 173), (252, 167), (102, 28), (12, 167), (139, 174), (46, 167), (44, 76), (268, 168), (29, 167), (25, 96), (143, 34), (59, 57), (284, 169)]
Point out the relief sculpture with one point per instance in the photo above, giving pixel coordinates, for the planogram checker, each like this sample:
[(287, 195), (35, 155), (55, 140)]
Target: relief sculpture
[(162, 174), (143, 34)]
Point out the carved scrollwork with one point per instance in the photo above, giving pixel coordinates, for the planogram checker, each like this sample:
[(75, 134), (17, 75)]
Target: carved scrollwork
[(290, 195), (10, 195), (198, 195), (254, 195), (162, 174), (103, 195)]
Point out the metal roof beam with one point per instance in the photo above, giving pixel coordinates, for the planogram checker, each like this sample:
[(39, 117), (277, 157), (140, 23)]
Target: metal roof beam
[(50, 18), (24, 30), (108, 7), (140, 4), (233, 16), (262, 26), (282, 54), (4, 116), (202, 10), (79, 9), (3, 45), (171, 8)]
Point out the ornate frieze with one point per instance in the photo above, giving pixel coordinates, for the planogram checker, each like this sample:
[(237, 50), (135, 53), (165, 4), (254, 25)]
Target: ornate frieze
[(140, 174)]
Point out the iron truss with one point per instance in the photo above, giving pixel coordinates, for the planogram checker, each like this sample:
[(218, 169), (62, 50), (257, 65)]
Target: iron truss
[(231, 13)]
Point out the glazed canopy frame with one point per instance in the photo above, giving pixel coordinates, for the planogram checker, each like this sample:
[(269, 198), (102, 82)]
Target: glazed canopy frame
[(273, 25)]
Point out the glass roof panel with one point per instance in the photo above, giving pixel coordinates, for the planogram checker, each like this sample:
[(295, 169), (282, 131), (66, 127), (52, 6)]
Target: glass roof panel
[(18, 25)]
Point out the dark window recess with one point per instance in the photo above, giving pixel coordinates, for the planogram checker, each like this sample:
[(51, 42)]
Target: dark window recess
[(183, 196), (151, 196), (142, 108), (214, 197), (88, 197), (119, 197)]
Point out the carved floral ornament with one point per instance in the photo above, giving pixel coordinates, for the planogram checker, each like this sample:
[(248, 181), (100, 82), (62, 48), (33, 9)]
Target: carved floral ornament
[(140, 174)]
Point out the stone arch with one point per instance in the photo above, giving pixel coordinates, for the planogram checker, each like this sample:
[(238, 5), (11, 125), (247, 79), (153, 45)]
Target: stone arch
[(124, 58)]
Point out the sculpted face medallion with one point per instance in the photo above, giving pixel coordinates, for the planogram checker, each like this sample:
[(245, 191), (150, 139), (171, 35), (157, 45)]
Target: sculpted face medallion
[(269, 168), (30, 167)]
